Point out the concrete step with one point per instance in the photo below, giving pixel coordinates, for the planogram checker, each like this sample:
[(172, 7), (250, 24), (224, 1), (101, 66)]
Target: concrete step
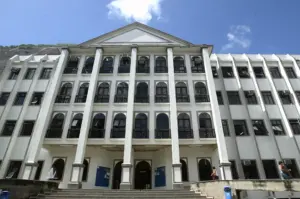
[(129, 197)]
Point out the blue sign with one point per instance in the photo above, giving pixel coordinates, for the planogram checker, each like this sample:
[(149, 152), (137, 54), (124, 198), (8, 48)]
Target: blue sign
[(160, 177), (102, 177)]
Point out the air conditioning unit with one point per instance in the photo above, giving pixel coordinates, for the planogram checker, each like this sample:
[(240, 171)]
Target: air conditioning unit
[(287, 161), (246, 162)]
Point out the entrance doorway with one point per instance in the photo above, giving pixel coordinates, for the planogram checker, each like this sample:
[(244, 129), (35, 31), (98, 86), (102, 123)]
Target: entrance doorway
[(117, 175), (205, 169), (142, 175)]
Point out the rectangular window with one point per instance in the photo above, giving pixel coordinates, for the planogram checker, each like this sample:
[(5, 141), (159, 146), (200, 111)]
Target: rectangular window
[(259, 72), (219, 97), (243, 72), (259, 127), (234, 97), (39, 170), (295, 126), (225, 127), (277, 127), (267, 97), (270, 168), (36, 99), (250, 169), (227, 72), (292, 165), (240, 128), (8, 128), (214, 72), (234, 172), (29, 73), (20, 98), (46, 73), (275, 73), (3, 98), (250, 97), (13, 169), (290, 72), (298, 95), (285, 97), (14, 73), (27, 128)]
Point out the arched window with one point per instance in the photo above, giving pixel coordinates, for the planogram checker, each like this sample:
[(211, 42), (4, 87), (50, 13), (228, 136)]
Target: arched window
[(72, 65), (124, 65), (102, 94), (161, 94), (74, 130), (119, 125), (141, 126), (65, 93), (56, 126), (88, 65), (57, 170), (107, 65), (98, 126), (179, 66), (161, 65), (82, 93), (205, 123), (184, 126), (201, 92), (204, 169), (85, 170), (184, 171), (182, 92), (122, 93), (141, 94), (143, 65), (162, 126), (197, 65)]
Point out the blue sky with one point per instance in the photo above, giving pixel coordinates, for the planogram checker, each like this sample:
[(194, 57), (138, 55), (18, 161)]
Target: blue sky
[(232, 26)]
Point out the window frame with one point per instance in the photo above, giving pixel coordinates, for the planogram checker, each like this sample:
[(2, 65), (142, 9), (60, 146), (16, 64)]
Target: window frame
[(4, 126), (17, 99), (275, 72), (277, 122), (230, 95), (267, 97), (290, 72), (31, 122), (243, 124), (261, 130), (44, 70), (31, 72), (226, 70), (220, 97)]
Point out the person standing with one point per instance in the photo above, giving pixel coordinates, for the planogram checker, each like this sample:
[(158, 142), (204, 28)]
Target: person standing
[(214, 174), (284, 171)]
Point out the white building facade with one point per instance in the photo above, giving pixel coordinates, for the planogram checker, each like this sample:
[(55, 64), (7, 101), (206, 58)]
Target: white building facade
[(139, 108)]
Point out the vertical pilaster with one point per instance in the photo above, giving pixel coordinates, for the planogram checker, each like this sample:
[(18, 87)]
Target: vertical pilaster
[(127, 159), (85, 125), (176, 165), (41, 123), (222, 150)]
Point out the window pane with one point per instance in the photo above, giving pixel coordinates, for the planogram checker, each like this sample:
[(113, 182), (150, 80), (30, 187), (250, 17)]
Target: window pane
[(267, 97)]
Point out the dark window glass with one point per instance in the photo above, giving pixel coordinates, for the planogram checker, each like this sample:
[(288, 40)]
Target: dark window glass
[(107, 65), (243, 72), (298, 95), (27, 128), (182, 92), (219, 97), (179, 66), (3, 98), (285, 97), (39, 170), (292, 165), (46, 73), (13, 169), (72, 65), (227, 72), (29, 73), (234, 172), (259, 127), (14, 73), (8, 128), (270, 168), (250, 169), (88, 65), (267, 97), (275, 73), (234, 97), (161, 65), (214, 72), (225, 127), (250, 97), (277, 127), (36, 99), (240, 128), (20, 98), (290, 72), (295, 126), (143, 65), (259, 72)]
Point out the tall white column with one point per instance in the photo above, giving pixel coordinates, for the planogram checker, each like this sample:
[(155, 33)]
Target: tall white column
[(42, 120), (177, 181), (127, 159), (222, 150), (78, 166)]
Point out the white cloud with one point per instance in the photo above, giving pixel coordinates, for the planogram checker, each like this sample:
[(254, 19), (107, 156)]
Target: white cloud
[(135, 10), (238, 37)]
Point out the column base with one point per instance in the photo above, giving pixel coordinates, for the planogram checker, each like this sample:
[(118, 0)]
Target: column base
[(178, 186), (74, 185), (225, 168), (126, 176), (125, 186)]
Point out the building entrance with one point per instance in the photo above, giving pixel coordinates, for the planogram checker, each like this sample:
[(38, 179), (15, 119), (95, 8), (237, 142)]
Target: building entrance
[(117, 175), (142, 175)]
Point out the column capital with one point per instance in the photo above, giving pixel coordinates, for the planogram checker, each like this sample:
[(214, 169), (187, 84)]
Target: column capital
[(225, 164), (65, 48), (99, 48)]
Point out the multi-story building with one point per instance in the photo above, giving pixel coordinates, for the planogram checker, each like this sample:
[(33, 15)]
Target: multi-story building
[(137, 108)]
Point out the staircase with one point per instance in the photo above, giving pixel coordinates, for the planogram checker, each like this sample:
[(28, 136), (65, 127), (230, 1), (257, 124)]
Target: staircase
[(119, 194)]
